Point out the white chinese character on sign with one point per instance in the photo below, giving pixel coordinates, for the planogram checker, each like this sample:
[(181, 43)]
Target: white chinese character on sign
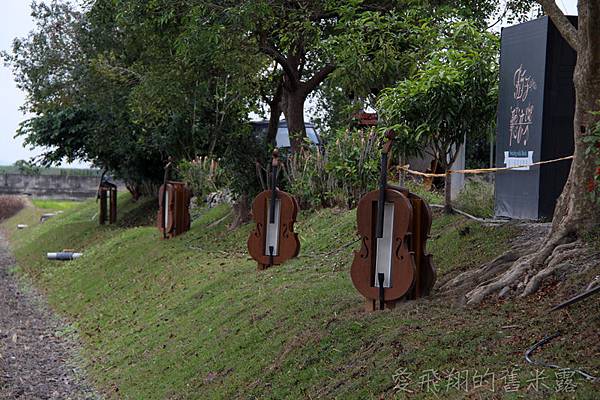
[(458, 380)]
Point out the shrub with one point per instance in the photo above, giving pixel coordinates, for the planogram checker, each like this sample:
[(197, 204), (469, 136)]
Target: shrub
[(343, 171), (10, 205), (354, 161), (431, 196), (203, 175), (309, 181), (338, 174)]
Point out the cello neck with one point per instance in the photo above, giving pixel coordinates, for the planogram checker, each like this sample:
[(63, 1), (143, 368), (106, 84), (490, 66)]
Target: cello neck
[(274, 166), (383, 178), (274, 178), (383, 182), (167, 170)]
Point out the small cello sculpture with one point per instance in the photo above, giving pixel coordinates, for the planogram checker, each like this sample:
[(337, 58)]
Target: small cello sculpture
[(384, 268), (107, 194), (426, 274), (173, 212), (273, 240), (421, 225)]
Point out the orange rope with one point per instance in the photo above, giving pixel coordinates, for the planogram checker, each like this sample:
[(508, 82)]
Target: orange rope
[(406, 168)]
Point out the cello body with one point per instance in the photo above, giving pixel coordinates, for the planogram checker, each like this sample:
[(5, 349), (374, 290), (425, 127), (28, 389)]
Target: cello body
[(166, 206), (288, 244), (273, 240), (393, 225), (173, 212), (426, 274), (401, 268)]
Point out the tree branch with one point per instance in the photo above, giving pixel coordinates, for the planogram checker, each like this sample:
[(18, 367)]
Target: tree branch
[(564, 26), (317, 78), (284, 62)]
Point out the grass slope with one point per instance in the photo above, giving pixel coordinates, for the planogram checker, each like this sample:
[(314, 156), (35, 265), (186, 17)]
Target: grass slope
[(192, 318), (54, 205)]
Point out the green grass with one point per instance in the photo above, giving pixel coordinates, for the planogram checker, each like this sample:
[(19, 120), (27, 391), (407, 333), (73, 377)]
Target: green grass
[(191, 318), (477, 198), (430, 196), (55, 205)]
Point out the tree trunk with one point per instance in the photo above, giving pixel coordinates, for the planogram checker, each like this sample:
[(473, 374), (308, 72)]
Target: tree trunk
[(294, 115), (241, 212), (575, 210), (448, 193), (135, 191), (275, 108)]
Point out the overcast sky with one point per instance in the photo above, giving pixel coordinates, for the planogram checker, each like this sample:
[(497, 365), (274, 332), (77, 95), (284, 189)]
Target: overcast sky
[(15, 21)]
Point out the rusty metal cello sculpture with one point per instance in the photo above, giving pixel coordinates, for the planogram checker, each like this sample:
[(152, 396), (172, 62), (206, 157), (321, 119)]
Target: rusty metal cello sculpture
[(392, 263), (174, 206), (273, 240), (383, 269), (107, 194)]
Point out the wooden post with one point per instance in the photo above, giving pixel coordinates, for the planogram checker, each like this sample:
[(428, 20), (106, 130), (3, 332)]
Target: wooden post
[(113, 205), (102, 212)]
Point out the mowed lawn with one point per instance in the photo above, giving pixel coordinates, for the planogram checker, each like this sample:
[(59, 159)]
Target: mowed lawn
[(191, 318)]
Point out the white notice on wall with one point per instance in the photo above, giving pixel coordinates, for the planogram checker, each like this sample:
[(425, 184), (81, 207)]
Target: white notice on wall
[(518, 161)]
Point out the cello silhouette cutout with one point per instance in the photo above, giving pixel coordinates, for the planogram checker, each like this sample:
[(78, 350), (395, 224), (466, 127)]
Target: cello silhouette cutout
[(174, 202), (273, 240), (384, 268)]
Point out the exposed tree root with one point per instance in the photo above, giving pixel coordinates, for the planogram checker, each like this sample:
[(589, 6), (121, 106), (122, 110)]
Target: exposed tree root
[(465, 281), (556, 262), (512, 275), (521, 270)]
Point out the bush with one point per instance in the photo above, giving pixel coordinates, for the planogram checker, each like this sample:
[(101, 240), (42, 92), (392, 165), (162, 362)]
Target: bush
[(203, 175), (310, 182), (10, 205), (432, 196), (354, 161), (339, 174), (343, 171)]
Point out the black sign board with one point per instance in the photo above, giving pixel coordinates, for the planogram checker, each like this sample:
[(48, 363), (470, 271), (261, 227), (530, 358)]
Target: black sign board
[(535, 118)]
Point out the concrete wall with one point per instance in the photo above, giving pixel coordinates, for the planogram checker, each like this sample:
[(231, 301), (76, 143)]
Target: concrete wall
[(458, 180), (50, 186)]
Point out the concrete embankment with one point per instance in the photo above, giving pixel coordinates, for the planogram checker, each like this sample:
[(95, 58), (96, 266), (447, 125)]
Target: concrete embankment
[(49, 186)]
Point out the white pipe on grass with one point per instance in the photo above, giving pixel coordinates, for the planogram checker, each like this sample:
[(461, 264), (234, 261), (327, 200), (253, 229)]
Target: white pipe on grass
[(64, 256)]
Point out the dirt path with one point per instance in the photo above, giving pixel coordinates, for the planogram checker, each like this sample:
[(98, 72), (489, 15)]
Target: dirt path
[(36, 361)]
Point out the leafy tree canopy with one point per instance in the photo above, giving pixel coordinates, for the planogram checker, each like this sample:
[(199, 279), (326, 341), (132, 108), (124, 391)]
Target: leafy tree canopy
[(126, 84)]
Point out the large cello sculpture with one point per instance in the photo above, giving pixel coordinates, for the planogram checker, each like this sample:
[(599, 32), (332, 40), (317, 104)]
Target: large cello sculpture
[(273, 240), (174, 206), (393, 224)]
